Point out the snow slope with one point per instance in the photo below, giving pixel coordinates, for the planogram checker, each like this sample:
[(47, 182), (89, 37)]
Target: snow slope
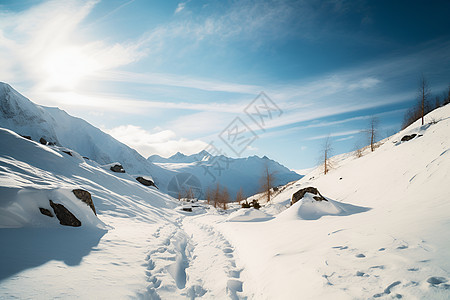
[(233, 173), (141, 246), (384, 233), (19, 114)]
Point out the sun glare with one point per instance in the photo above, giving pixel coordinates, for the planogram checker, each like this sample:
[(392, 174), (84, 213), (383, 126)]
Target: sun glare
[(66, 67)]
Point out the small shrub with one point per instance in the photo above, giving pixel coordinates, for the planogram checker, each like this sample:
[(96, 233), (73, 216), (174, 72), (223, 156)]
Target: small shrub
[(245, 204), (255, 204)]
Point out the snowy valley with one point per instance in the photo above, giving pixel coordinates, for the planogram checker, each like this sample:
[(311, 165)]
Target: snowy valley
[(380, 229)]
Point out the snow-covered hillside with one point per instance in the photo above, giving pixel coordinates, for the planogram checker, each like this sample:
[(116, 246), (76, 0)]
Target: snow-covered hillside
[(19, 114), (234, 173), (383, 233)]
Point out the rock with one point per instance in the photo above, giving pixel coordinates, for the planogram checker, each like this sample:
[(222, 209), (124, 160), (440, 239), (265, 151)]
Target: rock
[(67, 152), (86, 157), (312, 190), (85, 196), (46, 212), (408, 137), (26, 137), (146, 182), (189, 209), (43, 141), (64, 216), (117, 169)]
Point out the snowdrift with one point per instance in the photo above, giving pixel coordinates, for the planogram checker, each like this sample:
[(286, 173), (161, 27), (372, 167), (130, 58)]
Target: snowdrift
[(309, 209)]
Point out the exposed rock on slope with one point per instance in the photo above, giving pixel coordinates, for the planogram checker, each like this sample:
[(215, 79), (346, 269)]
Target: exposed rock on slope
[(64, 216), (85, 196), (312, 190)]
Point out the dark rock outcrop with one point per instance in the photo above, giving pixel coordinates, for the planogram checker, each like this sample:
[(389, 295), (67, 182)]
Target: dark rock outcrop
[(46, 212), (85, 196), (301, 193), (117, 169), (189, 209), (43, 141), (408, 137), (67, 152), (64, 216), (26, 137), (146, 182)]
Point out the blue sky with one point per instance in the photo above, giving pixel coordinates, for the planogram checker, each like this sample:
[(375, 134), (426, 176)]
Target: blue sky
[(168, 76)]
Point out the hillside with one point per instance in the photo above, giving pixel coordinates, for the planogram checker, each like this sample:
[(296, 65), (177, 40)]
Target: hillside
[(19, 114), (383, 233)]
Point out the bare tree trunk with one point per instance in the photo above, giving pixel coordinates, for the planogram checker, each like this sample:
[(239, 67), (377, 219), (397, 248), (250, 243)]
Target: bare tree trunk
[(326, 155), (424, 93), (267, 182)]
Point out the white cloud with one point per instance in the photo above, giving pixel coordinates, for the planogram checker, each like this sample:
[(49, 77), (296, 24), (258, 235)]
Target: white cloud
[(180, 7), (335, 134), (364, 83), (345, 138), (164, 143), (177, 81)]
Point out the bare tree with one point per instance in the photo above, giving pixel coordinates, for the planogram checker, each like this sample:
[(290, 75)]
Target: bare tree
[(423, 95), (216, 195), (372, 132), (224, 198), (326, 150), (239, 196), (267, 182)]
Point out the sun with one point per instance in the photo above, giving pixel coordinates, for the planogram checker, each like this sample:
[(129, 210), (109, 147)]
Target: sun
[(65, 67)]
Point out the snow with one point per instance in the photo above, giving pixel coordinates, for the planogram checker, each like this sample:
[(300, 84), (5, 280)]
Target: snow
[(383, 233), (248, 215)]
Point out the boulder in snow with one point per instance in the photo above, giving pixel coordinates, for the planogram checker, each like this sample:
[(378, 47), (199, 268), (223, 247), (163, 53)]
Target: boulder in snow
[(117, 168), (43, 141), (64, 216), (312, 190), (67, 152), (85, 196), (408, 137), (26, 137), (146, 181), (46, 212)]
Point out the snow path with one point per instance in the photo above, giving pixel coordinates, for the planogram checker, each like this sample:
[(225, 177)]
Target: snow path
[(191, 260)]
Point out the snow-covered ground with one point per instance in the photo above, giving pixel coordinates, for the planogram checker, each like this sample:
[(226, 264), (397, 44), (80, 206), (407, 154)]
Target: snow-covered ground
[(383, 233)]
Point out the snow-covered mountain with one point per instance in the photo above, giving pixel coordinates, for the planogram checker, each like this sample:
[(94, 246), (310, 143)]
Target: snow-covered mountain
[(233, 173), (19, 114)]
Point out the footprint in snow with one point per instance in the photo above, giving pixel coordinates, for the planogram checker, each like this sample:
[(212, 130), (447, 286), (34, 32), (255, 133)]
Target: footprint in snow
[(360, 255), (340, 247), (436, 280)]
